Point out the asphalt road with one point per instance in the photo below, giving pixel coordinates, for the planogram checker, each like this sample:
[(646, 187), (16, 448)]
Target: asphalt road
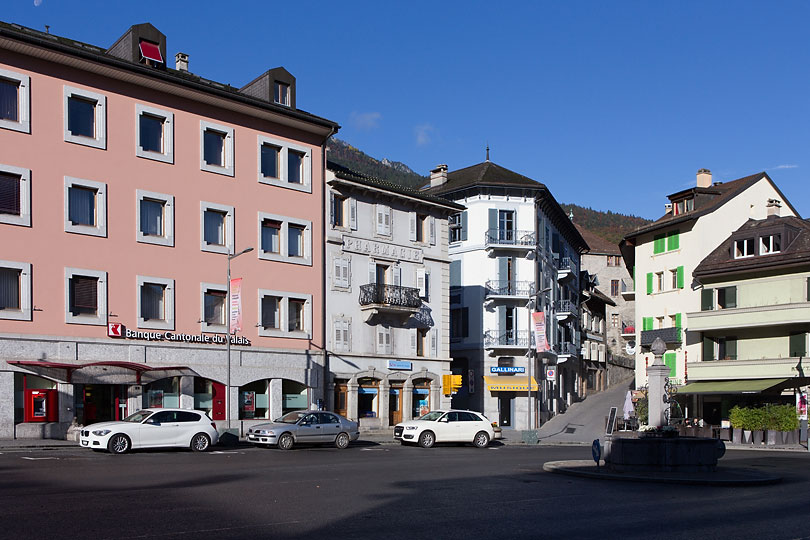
[(380, 491)]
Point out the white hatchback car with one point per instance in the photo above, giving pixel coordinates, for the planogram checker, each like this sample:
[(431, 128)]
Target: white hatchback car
[(446, 426), (152, 428)]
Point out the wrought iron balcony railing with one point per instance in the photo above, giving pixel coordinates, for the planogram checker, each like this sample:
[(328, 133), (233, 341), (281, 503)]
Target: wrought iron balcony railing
[(509, 288), (510, 237), (564, 264), (565, 306), (389, 295), (506, 338), (566, 348)]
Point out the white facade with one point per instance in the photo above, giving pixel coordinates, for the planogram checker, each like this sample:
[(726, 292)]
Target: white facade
[(387, 300)]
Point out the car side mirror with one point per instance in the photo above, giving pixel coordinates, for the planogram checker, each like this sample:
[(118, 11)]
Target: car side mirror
[(444, 419), (153, 422)]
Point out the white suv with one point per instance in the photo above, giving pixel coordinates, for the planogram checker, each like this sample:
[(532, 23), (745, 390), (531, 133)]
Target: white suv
[(446, 426)]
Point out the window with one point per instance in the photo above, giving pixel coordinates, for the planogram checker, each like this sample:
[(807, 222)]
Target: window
[(458, 227), (614, 320), (284, 164), (216, 148), (85, 207), (383, 219), (659, 322), (15, 290), (673, 274), (15, 97), (614, 287), (85, 117), (285, 239), (613, 260), (214, 308), (15, 195), (423, 283), (155, 218), (659, 280), (420, 227), (281, 93), (155, 303), (271, 236), (683, 206), (459, 322), (726, 297), (155, 134), (339, 217), (744, 248), (216, 228), (85, 296), (285, 314), (341, 277), (770, 244), (150, 53)]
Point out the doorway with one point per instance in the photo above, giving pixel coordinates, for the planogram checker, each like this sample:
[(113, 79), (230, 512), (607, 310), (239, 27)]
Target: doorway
[(395, 405), (505, 402), (102, 403), (341, 394)]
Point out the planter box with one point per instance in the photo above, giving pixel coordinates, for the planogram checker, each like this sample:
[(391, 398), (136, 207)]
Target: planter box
[(747, 436), (773, 437), (756, 436), (725, 434), (737, 436)]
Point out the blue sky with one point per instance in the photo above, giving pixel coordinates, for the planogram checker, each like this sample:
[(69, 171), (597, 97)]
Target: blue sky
[(611, 104)]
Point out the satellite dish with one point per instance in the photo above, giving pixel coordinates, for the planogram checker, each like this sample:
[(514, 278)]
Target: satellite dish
[(630, 348)]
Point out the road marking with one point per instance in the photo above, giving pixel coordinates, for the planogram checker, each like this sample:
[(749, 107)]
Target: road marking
[(374, 449), (38, 458), (224, 452)]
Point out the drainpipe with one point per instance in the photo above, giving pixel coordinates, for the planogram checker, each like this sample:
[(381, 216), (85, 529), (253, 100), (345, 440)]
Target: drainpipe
[(323, 269)]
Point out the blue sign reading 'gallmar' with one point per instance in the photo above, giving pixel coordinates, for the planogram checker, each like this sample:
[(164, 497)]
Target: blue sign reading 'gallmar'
[(507, 369)]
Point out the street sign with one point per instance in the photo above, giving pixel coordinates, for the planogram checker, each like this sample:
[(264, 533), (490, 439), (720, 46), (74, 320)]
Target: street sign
[(611, 421), (596, 451), (551, 374)]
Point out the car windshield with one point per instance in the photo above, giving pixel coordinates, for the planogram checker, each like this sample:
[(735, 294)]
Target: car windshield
[(432, 416), (138, 417), (291, 418)]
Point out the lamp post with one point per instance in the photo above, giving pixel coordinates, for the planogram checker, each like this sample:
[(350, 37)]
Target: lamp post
[(228, 330), (530, 356)]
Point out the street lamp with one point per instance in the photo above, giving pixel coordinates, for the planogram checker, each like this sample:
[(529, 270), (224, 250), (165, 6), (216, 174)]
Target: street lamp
[(530, 305), (228, 330)]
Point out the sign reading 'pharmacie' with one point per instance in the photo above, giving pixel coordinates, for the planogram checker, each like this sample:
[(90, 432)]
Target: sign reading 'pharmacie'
[(381, 249), (118, 330)]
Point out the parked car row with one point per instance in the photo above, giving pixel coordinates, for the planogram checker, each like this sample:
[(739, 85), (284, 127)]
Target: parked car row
[(154, 428)]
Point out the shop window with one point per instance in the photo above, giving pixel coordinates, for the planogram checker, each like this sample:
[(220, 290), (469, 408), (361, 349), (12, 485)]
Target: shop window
[(294, 396), (162, 394), (421, 400), (254, 400), (85, 207), (85, 117), (368, 398), (216, 148), (15, 98), (155, 134)]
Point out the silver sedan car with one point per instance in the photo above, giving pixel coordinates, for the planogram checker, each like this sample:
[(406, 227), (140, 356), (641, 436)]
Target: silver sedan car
[(305, 427)]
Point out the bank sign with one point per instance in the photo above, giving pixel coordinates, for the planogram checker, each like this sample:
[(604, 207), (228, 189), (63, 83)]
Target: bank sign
[(507, 369), (118, 330)]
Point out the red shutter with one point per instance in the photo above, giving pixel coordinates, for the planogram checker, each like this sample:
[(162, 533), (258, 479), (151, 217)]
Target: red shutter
[(151, 51)]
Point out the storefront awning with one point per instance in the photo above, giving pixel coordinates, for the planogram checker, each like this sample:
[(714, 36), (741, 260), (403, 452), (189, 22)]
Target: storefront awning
[(103, 372), (742, 386), (510, 384)]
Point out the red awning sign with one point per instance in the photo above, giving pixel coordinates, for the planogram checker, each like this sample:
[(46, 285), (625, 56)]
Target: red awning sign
[(151, 51)]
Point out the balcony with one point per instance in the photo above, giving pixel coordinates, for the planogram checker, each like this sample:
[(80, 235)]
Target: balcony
[(628, 331), (628, 289), (564, 310), (671, 336), (382, 299), (510, 240), (564, 269), (507, 290), (759, 368), (506, 341), (565, 350), (749, 317)]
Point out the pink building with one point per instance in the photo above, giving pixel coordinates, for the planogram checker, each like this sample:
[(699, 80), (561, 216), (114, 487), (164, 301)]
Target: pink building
[(124, 186)]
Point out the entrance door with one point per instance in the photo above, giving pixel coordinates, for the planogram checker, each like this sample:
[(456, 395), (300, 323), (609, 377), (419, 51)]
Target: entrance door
[(120, 392), (505, 410), (218, 401), (99, 404), (341, 393), (395, 406)]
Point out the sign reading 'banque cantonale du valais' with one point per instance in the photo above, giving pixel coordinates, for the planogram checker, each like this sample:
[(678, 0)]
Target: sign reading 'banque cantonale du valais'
[(118, 330), (381, 249)]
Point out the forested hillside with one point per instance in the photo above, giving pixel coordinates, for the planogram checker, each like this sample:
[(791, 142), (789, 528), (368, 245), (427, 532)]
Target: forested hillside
[(609, 225)]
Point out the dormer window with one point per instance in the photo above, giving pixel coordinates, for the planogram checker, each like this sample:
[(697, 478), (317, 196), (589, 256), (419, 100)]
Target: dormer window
[(281, 93), (681, 207), (150, 53), (744, 248), (770, 244)]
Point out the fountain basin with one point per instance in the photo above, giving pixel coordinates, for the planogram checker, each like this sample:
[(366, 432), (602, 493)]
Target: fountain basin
[(665, 454)]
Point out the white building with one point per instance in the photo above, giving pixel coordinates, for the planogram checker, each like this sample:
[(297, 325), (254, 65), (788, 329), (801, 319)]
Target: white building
[(387, 300), (513, 247), (663, 255)]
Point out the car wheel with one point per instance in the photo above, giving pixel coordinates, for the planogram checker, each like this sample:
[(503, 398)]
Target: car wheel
[(118, 444), (200, 442), (426, 439), (342, 441), (285, 442), (481, 440)]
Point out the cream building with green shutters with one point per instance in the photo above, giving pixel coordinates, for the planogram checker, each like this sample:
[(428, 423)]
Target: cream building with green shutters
[(663, 255)]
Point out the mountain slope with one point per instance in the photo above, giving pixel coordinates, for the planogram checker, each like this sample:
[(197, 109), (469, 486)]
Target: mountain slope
[(608, 225)]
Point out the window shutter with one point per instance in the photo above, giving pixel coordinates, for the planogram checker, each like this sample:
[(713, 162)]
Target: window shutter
[(680, 277), (659, 243), (671, 360), (647, 323), (649, 283), (434, 343), (414, 337), (708, 348), (798, 342), (432, 227), (387, 335), (502, 320), (707, 300), (332, 209), (679, 320), (731, 348), (455, 273), (420, 281), (9, 194), (85, 292), (412, 226), (386, 220), (464, 228), (337, 277), (397, 275), (673, 240), (353, 214), (347, 335), (731, 297), (378, 209), (492, 232), (372, 272), (338, 344), (380, 340), (347, 272)]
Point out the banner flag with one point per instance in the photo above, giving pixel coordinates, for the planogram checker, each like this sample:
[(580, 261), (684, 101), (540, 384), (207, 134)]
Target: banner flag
[(539, 319), (236, 306)]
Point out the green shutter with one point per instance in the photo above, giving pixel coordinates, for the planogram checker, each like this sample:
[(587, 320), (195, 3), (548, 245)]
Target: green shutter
[(670, 359), (659, 244), (797, 344), (678, 320), (731, 348), (647, 323), (708, 348), (731, 297), (649, 282), (707, 300), (808, 289), (680, 277), (673, 240)]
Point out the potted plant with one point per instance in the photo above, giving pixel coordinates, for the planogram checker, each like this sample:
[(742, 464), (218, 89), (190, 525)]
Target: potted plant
[(757, 425), (787, 423), (772, 424), (735, 416)]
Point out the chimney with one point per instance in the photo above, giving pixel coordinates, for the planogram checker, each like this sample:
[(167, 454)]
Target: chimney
[(181, 62), (668, 208), (773, 207), (704, 178), (438, 176)]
